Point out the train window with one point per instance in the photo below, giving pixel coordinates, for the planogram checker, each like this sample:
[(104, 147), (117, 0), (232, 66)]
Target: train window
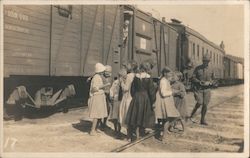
[(193, 50), (198, 52), (217, 59), (202, 51), (211, 54), (214, 58)]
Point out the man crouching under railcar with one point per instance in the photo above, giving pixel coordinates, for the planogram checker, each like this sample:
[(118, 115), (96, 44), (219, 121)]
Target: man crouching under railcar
[(202, 81)]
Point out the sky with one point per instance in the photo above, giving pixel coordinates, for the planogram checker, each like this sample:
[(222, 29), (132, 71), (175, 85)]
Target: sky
[(216, 22)]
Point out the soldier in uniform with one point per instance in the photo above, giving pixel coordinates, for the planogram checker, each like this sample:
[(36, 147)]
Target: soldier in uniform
[(202, 80)]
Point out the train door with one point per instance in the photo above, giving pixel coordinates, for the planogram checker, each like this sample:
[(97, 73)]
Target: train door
[(142, 39), (127, 34)]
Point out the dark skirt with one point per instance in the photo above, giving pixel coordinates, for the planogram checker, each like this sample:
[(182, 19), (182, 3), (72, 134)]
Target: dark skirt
[(140, 112)]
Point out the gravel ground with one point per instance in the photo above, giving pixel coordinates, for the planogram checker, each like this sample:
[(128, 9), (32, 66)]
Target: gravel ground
[(69, 132)]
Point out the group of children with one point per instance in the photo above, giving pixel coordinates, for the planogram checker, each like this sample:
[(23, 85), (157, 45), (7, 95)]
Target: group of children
[(135, 102)]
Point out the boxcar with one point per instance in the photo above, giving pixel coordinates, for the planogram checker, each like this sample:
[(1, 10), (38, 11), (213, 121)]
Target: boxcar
[(49, 51)]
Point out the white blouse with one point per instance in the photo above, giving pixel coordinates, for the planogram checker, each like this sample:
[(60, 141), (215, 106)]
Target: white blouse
[(165, 88), (96, 83)]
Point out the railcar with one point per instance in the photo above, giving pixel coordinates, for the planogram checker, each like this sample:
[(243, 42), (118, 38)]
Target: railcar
[(194, 45), (233, 71), (50, 51)]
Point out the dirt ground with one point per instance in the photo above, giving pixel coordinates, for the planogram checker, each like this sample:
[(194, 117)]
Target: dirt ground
[(69, 132)]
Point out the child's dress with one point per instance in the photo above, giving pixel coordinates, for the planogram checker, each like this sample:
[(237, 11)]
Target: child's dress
[(140, 112), (126, 98), (97, 100), (114, 93), (179, 93), (164, 104)]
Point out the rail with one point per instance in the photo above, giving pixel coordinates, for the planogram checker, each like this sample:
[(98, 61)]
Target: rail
[(128, 145)]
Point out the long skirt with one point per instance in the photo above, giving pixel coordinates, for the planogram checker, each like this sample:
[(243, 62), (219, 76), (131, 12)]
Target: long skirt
[(123, 109), (140, 112), (97, 106)]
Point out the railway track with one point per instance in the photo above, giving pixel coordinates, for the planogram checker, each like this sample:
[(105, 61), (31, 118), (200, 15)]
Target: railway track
[(212, 137)]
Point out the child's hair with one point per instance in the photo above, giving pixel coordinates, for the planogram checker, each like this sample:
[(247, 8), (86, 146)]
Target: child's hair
[(132, 66), (165, 70), (179, 75), (122, 72), (145, 67)]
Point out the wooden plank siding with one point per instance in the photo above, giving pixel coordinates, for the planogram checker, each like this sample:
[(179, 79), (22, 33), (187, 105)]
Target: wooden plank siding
[(65, 44), (66, 47), (26, 41)]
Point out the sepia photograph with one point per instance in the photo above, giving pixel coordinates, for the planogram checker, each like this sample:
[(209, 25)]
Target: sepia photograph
[(124, 79)]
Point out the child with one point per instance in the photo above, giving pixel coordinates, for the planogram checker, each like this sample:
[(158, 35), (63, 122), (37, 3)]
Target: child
[(141, 106), (115, 102), (97, 100), (107, 79), (126, 82), (179, 94), (164, 106)]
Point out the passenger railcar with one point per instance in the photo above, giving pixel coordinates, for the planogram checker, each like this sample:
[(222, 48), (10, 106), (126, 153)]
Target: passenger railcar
[(233, 71)]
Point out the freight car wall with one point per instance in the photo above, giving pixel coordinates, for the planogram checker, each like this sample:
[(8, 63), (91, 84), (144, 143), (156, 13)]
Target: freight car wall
[(66, 42), (26, 40), (39, 40), (46, 47), (101, 37)]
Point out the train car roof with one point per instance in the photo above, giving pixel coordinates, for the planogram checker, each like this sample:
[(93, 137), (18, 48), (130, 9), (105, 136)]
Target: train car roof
[(165, 23), (196, 34), (149, 14)]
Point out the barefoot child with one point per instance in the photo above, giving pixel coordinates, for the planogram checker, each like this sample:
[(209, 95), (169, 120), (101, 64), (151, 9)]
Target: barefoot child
[(97, 100)]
